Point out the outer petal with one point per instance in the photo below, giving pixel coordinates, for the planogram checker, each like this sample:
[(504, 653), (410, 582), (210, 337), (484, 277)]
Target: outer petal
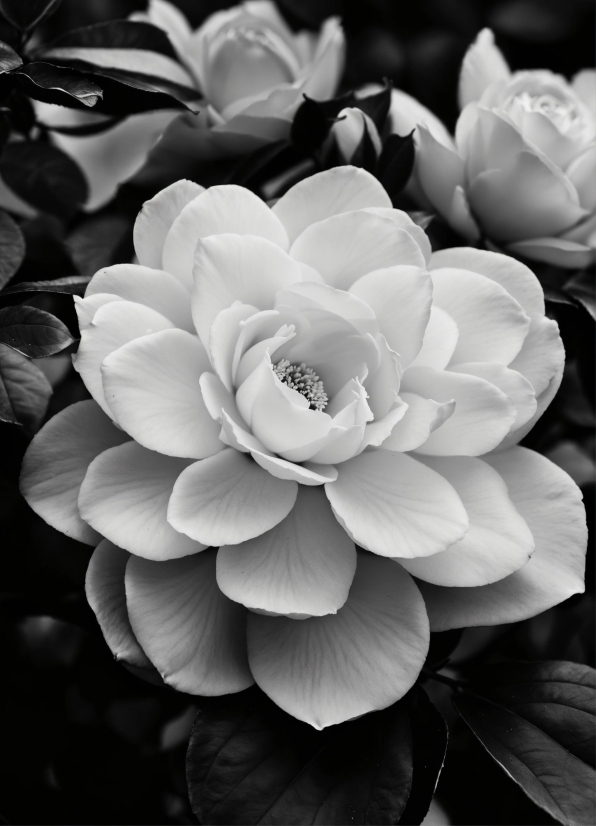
[(482, 418), (156, 217), (125, 496), (542, 355), (228, 499), (421, 418), (219, 210), (342, 189), (406, 113), (401, 298), (56, 463), (393, 505), (512, 383), (152, 387), (558, 251), (498, 543), (113, 325), (230, 268), (104, 587), (402, 220), (492, 325), (302, 567), (439, 341), (191, 632), (347, 246), (550, 503), (306, 474), (483, 64), (326, 670)]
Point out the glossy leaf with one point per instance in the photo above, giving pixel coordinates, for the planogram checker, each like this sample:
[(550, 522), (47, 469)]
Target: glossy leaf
[(24, 390), (117, 34), (69, 285), (56, 84), (9, 59), (12, 248), (248, 762), (45, 177), (25, 14), (99, 241), (310, 126), (537, 720), (33, 332)]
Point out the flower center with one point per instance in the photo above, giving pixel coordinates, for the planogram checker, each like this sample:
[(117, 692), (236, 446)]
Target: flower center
[(303, 379), (564, 114)]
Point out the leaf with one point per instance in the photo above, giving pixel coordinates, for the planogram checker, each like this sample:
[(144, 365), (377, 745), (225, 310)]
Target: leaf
[(45, 177), (24, 390), (396, 163), (83, 129), (25, 14), (442, 645), (33, 332), (376, 106), (310, 126), (69, 285), (116, 34), (536, 720), (98, 242), (55, 84), (12, 248), (248, 763), (583, 290), (9, 59)]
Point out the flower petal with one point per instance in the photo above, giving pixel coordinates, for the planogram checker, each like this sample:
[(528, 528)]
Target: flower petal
[(124, 496), (515, 386), (223, 337), (191, 632), (302, 567), (542, 354), (482, 418), (492, 325), (230, 268), (342, 189), (228, 499), (483, 64), (153, 288), (401, 298), (439, 342), (403, 221), (550, 503), (306, 474), (347, 246), (558, 251), (156, 217), (113, 325), (325, 670), (420, 419), (152, 387), (393, 505), (104, 587), (56, 463), (220, 209), (499, 541)]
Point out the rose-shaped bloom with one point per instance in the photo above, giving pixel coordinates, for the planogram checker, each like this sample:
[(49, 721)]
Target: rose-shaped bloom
[(250, 71), (522, 168), (308, 390)]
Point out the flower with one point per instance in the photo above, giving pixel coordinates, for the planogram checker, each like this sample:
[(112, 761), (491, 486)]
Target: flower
[(309, 390), (250, 71), (348, 131), (521, 169)]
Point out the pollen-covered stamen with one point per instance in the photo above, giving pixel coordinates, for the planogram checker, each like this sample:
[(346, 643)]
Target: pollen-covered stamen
[(303, 379)]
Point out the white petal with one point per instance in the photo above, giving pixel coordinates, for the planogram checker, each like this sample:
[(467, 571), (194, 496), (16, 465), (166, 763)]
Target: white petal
[(439, 342), (393, 505), (223, 336), (124, 496), (560, 252), (302, 567), (326, 670), (191, 632), (56, 463), (499, 541), (513, 384), (306, 474), (228, 499), (86, 308), (152, 387), (542, 354), (308, 295), (420, 419), (483, 64)]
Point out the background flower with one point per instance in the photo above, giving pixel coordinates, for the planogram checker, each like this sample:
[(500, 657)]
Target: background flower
[(301, 385)]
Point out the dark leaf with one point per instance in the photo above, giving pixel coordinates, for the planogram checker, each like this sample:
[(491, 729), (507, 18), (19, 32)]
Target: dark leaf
[(69, 285), (376, 106), (396, 163), (12, 248), (25, 14), (310, 126), (98, 242), (442, 646), (429, 741), (116, 34), (536, 725), (365, 155), (45, 177), (9, 59), (56, 84), (24, 390), (263, 164), (583, 290), (84, 129), (248, 762), (32, 332)]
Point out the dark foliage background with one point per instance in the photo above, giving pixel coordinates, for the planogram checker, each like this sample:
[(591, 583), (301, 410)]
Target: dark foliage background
[(83, 740)]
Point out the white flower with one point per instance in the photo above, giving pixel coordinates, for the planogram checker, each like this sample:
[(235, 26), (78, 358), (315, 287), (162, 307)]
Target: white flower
[(250, 71), (288, 384), (522, 167)]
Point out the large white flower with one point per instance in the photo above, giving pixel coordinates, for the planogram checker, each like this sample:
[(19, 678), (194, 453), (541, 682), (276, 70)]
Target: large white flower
[(308, 389), (522, 167), (250, 71)]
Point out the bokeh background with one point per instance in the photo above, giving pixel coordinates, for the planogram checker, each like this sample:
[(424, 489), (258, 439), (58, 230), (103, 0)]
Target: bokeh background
[(82, 740)]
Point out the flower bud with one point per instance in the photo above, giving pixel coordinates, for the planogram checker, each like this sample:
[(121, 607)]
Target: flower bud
[(350, 129)]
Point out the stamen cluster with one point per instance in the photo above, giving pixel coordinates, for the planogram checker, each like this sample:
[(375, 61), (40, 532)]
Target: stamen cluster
[(303, 379)]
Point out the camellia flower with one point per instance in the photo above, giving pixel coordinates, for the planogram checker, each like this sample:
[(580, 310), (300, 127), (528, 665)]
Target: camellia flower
[(521, 169), (250, 71), (281, 461)]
